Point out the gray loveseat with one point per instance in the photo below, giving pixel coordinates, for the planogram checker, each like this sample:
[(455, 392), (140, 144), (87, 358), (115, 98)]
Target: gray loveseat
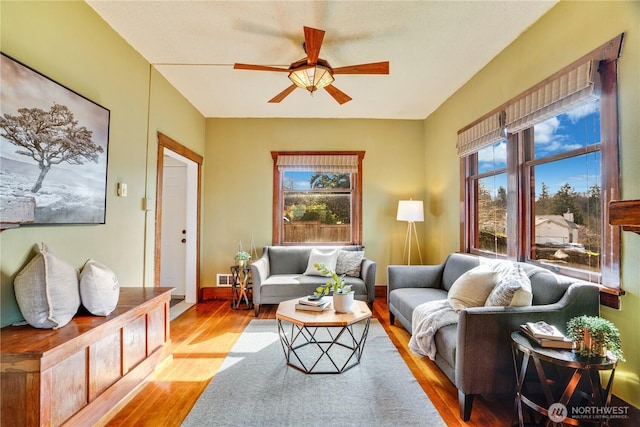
[(475, 353), (279, 275)]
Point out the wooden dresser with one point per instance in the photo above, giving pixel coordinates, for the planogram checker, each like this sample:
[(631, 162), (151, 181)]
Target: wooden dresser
[(74, 375)]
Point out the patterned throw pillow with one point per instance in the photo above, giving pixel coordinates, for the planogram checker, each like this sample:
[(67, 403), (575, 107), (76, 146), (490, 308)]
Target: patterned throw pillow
[(47, 291), (329, 260), (349, 262), (513, 288)]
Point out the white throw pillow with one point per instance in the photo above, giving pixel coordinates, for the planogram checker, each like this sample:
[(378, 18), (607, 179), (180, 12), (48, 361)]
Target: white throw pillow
[(47, 291), (349, 262), (99, 288), (513, 288), (472, 288), (329, 260)]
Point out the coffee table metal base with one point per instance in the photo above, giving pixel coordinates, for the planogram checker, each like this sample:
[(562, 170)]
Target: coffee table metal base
[(327, 342)]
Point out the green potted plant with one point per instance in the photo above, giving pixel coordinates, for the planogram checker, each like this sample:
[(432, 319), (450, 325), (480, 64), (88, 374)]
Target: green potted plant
[(593, 336), (342, 293), (242, 257)]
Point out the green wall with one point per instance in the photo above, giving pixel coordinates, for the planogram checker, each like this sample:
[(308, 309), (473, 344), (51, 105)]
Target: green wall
[(567, 32), (239, 181), (71, 44)]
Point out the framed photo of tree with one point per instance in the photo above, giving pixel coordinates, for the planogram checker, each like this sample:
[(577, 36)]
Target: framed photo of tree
[(53, 148)]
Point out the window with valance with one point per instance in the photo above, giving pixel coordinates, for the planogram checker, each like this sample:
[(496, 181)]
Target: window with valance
[(539, 171), (317, 197)]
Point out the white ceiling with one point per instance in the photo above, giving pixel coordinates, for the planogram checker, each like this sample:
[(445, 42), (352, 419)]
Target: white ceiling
[(434, 47)]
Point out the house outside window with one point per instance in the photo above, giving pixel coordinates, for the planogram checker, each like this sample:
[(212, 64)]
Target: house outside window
[(317, 198), (538, 173), (565, 174)]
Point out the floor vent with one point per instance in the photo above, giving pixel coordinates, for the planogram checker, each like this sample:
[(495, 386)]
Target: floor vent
[(224, 279)]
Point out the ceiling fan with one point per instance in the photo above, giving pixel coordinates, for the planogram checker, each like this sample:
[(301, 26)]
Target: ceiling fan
[(312, 73)]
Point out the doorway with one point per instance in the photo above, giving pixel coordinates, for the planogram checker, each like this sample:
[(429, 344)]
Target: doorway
[(177, 243)]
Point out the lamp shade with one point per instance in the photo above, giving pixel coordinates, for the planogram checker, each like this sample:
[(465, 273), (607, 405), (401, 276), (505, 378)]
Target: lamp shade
[(312, 77), (410, 210)]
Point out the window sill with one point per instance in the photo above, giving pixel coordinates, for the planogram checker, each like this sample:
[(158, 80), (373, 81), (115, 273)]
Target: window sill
[(610, 297)]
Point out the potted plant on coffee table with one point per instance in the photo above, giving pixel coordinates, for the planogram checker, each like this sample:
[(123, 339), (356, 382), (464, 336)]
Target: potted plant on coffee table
[(593, 336), (342, 293)]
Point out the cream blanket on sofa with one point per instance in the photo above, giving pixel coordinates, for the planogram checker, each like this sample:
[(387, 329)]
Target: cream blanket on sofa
[(426, 319)]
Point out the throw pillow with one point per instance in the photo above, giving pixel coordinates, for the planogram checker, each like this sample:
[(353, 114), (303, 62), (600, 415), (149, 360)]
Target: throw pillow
[(47, 291), (472, 288), (329, 260), (513, 288), (349, 262), (99, 288)]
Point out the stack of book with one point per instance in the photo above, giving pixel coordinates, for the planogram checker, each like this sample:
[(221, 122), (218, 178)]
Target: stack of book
[(313, 304), (545, 335)]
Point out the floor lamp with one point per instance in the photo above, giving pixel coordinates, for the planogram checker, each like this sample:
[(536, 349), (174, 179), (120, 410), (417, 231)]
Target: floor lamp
[(411, 211)]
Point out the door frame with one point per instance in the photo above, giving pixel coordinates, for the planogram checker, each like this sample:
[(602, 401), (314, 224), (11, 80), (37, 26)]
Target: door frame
[(166, 143)]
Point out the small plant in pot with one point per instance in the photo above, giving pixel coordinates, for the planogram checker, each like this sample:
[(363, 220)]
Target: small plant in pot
[(342, 293), (593, 336), (242, 257)]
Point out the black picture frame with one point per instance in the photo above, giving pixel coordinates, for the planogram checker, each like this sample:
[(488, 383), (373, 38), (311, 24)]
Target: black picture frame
[(54, 146)]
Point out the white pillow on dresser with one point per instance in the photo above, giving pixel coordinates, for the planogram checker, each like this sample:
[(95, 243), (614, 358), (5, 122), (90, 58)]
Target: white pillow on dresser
[(99, 288), (47, 291)]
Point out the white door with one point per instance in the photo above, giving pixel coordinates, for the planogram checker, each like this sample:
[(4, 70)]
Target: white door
[(174, 225)]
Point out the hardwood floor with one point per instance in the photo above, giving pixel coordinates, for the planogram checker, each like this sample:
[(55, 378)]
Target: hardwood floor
[(203, 336)]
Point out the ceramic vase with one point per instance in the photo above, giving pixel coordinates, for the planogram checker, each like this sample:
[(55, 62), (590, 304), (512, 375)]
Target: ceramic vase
[(343, 303)]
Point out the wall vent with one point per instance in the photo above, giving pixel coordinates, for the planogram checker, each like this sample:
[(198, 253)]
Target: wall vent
[(224, 279)]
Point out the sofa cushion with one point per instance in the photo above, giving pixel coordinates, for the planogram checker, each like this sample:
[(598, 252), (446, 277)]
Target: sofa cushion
[(473, 287), (547, 287), (316, 256), (349, 262), (47, 291), (99, 288), (455, 266), (513, 287), (288, 259), (405, 300)]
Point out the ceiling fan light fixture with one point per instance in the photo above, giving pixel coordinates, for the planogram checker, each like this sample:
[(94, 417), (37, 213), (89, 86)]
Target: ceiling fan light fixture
[(312, 77)]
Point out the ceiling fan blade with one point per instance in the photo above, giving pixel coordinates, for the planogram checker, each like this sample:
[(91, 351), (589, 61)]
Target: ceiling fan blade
[(257, 67), (337, 94), (312, 44), (372, 68), (282, 95)]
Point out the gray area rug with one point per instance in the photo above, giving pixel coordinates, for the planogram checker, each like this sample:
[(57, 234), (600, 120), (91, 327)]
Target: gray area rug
[(255, 387)]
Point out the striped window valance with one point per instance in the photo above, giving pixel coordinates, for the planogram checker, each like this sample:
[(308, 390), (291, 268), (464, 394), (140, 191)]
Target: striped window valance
[(336, 163), (561, 94), (482, 134)]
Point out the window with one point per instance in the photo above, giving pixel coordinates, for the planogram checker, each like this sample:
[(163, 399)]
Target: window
[(317, 197), (489, 184), (538, 173), (564, 169)]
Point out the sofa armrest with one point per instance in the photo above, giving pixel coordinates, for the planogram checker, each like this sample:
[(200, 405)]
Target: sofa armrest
[(487, 331), (414, 276), (368, 275), (259, 273)]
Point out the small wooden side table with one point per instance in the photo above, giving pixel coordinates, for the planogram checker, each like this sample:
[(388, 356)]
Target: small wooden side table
[(241, 287), (571, 388)]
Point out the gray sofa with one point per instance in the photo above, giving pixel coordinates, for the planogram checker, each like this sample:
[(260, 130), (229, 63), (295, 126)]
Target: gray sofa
[(475, 354), (278, 275)]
